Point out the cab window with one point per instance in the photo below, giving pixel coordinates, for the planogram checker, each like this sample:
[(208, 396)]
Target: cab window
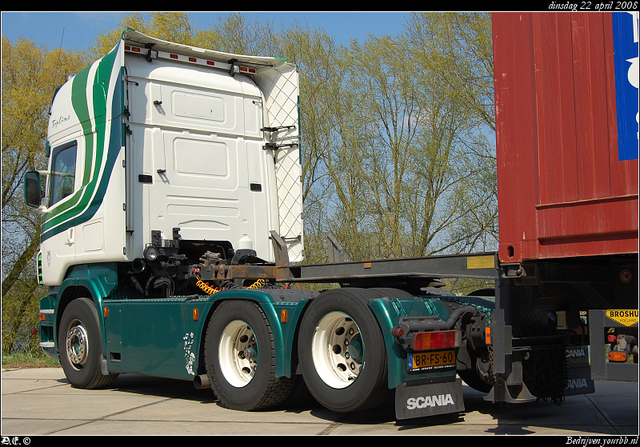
[(63, 170)]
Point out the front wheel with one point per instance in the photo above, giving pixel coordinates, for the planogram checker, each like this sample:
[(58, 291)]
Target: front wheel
[(240, 358), (80, 345), (342, 352)]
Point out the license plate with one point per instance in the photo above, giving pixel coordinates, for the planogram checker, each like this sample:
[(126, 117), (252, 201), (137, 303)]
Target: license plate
[(420, 361)]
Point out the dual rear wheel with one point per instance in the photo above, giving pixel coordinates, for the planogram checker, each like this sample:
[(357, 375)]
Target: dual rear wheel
[(341, 354), (240, 358)]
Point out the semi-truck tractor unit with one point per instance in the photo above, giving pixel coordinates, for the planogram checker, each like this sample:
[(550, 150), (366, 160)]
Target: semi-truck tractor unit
[(172, 238)]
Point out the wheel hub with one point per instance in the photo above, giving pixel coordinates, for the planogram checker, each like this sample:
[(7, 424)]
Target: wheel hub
[(77, 346), (238, 352), (337, 350)]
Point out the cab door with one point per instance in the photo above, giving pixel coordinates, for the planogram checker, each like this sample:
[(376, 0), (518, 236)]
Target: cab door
[(59, 241)]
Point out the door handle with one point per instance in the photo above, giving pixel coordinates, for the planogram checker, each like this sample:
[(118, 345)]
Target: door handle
[(70, 239)]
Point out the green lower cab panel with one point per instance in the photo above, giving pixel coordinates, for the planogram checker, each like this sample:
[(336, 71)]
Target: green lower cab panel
[(155, 337)]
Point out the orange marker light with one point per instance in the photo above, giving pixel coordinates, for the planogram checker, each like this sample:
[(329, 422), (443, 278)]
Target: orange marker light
[(615, 356)]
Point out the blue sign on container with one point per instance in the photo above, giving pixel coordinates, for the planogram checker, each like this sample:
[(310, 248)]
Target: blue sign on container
[(625, 49)]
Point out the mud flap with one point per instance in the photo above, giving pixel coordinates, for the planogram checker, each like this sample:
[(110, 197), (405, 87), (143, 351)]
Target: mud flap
[(428, 400), (579, 379), (579, 382)]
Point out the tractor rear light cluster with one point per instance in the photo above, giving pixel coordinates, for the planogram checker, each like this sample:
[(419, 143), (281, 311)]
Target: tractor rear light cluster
[(427, 341)]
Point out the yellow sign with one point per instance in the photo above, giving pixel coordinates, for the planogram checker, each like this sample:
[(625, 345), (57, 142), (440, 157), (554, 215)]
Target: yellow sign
[(626, 317), (481, 262)]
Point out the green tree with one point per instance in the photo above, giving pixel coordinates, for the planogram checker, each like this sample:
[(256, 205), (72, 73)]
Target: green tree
[(459, 48), (412, 170), (170, 26), (237, 33), (324, 123), (30, 75), (107, 39)]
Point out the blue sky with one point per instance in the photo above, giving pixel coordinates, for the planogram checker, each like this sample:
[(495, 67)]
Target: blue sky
[(80, 28)]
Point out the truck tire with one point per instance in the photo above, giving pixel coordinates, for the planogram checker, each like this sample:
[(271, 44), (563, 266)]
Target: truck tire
[(240, 358), (480, 376), (342, 352), (80, 345)]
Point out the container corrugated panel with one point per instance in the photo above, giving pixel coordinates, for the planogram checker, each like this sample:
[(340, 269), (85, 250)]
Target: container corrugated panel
[(567, 187)]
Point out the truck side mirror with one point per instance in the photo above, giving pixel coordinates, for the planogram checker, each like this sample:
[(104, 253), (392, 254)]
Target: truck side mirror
[(32, 189)]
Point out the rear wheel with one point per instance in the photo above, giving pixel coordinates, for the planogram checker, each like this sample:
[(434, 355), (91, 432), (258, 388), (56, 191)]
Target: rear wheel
[(342, 352), (480, 376), (240, 358), (80, 345)]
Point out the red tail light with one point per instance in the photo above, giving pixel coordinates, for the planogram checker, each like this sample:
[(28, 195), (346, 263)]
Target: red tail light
[(426, 341)]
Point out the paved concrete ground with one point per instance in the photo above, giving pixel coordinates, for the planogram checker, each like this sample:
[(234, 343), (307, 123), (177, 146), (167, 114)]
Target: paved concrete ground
[(41, 402)]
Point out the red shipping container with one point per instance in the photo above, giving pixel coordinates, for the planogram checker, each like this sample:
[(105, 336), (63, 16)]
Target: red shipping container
[(563, 189)]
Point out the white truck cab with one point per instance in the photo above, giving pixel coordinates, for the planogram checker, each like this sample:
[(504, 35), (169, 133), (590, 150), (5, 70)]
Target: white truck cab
[(158, 141)]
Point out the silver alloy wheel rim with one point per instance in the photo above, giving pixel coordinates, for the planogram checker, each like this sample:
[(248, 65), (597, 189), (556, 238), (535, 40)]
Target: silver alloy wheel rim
[(238, 353), (77, 345), (337, 350)]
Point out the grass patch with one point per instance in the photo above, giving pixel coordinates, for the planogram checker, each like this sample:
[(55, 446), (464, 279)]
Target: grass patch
[(22, 360)]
